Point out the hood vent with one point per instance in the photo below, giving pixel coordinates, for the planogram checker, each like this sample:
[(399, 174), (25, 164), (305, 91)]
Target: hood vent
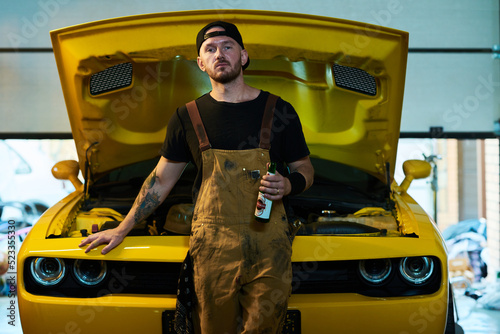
[(354, 79), (112, 78)]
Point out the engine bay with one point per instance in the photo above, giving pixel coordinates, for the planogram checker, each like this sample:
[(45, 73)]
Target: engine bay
[(330, 207)]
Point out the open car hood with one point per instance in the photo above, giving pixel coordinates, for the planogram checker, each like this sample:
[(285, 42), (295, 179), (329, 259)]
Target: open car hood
[(123, 78)]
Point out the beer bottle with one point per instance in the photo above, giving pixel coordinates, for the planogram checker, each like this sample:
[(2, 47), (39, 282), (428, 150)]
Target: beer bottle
[(263, 208)]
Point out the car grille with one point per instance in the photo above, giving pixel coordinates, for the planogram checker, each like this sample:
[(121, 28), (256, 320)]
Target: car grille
[(161, 278)]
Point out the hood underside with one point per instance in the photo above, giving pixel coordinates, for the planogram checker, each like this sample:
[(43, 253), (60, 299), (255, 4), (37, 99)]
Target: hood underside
[(123, 78)]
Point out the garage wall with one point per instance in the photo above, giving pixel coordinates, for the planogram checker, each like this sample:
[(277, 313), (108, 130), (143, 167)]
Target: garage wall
[(452, 78), (492, 154)]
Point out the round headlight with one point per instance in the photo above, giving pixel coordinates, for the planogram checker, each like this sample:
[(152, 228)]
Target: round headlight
[(375, 271), (89, 272), (48, 271), (416, 270)]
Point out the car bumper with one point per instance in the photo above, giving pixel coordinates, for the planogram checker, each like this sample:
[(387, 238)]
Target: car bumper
[(319, 313)]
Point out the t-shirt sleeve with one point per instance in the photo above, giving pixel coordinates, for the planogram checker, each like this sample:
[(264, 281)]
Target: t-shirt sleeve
[(293, 139), (175, 145)]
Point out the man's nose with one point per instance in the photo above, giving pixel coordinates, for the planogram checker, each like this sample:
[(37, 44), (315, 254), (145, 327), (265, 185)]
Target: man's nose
[(219, 53)]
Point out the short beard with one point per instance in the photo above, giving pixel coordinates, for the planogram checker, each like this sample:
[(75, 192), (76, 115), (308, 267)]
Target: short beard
[(226, 76)]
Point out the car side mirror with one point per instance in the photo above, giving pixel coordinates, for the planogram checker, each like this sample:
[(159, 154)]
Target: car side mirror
[(414, 169), (68, 170)]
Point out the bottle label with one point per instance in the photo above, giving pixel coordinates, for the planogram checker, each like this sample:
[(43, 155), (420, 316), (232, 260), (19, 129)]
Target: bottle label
[(263, 209)]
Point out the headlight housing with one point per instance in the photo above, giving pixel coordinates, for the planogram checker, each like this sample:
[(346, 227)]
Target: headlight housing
[(48, 271), (89, 272), (416, 270), (375, 271)]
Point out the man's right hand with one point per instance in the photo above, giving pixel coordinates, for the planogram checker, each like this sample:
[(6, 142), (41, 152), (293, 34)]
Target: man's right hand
[(112, 238), (154, 190)]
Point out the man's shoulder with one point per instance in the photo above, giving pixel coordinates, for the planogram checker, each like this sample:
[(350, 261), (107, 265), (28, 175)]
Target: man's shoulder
[(182, 111), (203, 98), (199, 100), (284, 105), (280, 102)]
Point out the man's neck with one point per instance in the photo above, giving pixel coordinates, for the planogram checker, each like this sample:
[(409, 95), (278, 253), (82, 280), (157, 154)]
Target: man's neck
[(234, 92)]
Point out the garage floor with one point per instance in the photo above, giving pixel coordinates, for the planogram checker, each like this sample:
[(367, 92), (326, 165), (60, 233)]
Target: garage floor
[(473, 319)]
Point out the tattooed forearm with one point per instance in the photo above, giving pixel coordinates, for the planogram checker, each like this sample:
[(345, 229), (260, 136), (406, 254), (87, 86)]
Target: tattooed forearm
[(148, 199), (146, 206), (150, 181)]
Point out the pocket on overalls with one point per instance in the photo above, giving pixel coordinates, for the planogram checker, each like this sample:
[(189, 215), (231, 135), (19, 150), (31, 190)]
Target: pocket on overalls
[(196, 239), (250, 181)]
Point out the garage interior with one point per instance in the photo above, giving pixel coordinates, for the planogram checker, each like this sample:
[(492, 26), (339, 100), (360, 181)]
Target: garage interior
[(451, 115)]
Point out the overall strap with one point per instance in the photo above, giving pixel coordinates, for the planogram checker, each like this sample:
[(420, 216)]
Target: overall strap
[(194, 114), (267, 122)]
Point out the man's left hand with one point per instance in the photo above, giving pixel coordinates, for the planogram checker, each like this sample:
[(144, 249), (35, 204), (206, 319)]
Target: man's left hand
[(275, 186)]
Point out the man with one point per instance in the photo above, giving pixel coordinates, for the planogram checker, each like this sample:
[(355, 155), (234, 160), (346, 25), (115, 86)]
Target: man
[(241, 267)]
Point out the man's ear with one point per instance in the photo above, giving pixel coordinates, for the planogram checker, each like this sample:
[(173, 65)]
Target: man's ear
[(244, 57), (200, 64)]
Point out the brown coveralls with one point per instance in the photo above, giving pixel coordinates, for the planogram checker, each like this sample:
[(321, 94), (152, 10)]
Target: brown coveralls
[(242, 267)]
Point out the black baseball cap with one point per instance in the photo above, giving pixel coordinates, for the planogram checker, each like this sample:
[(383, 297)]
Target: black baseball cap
[(230, 30)]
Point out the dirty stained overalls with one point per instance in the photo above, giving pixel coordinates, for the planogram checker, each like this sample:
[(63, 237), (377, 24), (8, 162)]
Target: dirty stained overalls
[(241, 267)]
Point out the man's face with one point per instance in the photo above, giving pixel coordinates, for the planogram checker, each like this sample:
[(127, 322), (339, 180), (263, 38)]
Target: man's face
[(221, 57)]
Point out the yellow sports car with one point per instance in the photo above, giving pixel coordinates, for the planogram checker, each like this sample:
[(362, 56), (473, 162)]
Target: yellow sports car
[(366, 257)]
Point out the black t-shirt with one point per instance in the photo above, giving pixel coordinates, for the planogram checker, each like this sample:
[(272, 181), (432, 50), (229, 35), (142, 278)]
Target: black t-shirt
[(235, 126)]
